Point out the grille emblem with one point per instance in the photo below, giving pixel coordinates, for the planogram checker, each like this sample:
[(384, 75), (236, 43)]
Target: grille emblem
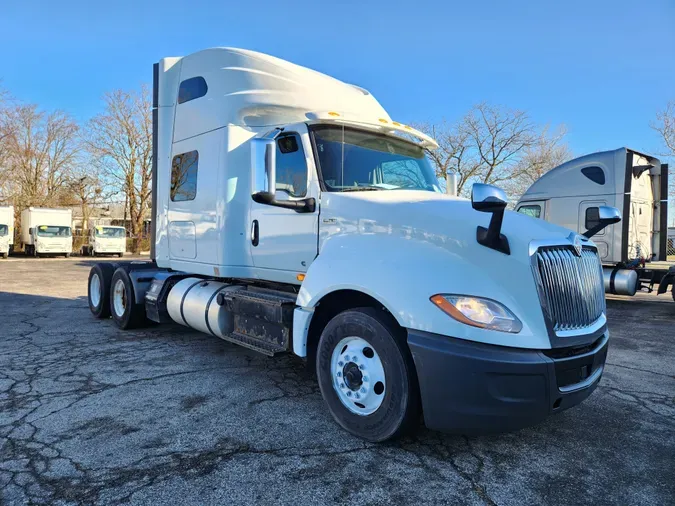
[(575, 239)]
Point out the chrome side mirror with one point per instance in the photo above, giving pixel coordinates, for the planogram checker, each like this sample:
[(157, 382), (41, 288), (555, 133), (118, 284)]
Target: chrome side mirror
[(606, 216), (263, 166), (490, 199), (487, 198)]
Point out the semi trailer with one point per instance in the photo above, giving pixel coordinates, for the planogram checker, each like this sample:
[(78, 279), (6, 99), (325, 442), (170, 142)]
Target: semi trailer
[(46, 231), (105, 240), (6, 230), (634, 253), (291, 214)]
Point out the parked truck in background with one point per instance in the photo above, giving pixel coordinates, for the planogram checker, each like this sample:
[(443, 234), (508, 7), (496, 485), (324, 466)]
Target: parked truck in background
[(6, 230), (105, 240), (291, 214), (46, 231), (634, 253)]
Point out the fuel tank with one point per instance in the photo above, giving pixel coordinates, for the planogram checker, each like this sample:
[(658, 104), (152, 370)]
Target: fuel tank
[(620, 281), (193, 302)]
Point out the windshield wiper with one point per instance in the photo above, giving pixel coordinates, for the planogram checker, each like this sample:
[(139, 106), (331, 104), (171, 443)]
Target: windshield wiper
[(362, 189)]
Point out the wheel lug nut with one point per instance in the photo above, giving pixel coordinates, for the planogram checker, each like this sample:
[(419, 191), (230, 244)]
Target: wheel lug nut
[(362, 366), (363, 390), (357, 396), (354, 358), (349, 394), (342, 385), (339, 374), (347, 358), (341, 364), (365, 378)]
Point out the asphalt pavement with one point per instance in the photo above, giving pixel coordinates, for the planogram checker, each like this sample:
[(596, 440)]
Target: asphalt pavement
[(166, 415)]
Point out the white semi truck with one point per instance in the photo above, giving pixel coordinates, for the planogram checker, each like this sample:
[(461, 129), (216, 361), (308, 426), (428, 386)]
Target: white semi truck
[(105, 240), (634, 254), (291, 214), (6, 230), (46, 231)]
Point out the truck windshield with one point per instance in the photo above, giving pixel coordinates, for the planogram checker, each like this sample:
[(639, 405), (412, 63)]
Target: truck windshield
[(109, 232), (358, 160), (53, 231), (3, 230)]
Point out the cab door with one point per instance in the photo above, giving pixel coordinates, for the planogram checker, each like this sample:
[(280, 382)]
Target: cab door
[(284, 242), (589, 216)]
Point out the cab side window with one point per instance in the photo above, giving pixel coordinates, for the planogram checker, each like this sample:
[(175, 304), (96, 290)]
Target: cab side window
[(533, 210), (291, 166), (592, 217), (184, 176)]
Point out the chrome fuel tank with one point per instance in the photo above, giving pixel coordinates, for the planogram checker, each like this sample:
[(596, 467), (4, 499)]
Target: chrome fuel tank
[(193, 302)]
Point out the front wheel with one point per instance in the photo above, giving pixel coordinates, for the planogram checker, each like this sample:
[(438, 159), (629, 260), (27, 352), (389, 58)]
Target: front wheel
[(367, 376)]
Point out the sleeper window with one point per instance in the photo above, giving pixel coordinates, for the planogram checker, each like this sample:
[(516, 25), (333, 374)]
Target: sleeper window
[(291, 166), (192, 88), (595, 174), (533, 210), (184, 176)]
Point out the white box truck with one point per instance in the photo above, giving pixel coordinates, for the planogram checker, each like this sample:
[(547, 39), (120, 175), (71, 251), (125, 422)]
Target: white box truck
[(6, 230), (46, 231), (291, 214), (105, 240), (634, 254)]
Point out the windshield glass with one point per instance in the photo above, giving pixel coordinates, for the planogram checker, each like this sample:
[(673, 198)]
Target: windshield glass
[(3, 230), (53, 231), (109, 232), (357, 160)]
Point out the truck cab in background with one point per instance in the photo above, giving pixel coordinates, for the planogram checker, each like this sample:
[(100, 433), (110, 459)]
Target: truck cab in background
[(105, 240), (6, 230), (46, 231), (291, 214), (634, 252)]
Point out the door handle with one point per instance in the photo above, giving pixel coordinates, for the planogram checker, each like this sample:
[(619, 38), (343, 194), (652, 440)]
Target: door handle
[(255, 233)]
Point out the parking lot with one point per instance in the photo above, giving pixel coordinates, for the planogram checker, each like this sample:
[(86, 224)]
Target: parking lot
[(164, 415)]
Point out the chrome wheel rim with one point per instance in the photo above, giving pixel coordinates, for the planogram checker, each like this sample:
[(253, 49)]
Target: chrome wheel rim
[(95, 290), (119, 298), (358, 375)]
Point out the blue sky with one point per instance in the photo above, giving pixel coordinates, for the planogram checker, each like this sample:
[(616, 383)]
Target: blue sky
[(601, 67)]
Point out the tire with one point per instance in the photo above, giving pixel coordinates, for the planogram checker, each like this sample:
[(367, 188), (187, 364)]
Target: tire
[(5, 255), (104, 272), (123, 308), (67, 255), (399, 404), (120, 255)]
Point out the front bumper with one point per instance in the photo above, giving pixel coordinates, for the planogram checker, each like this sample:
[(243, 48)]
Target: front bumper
[(470, 387)]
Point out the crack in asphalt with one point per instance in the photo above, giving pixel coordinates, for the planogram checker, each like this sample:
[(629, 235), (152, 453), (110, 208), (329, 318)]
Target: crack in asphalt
[(90, 414)]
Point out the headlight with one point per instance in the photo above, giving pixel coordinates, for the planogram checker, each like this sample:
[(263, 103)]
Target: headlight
[(478, 312)]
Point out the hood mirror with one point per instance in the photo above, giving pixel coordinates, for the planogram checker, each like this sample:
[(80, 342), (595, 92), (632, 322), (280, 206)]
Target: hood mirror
[(606, 216), (490, 199)]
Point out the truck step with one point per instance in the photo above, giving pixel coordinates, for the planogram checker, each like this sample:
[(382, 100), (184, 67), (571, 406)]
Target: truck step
[(264, 347)]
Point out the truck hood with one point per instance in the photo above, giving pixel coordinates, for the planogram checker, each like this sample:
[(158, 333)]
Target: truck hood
[(448, 221), (402, 247)]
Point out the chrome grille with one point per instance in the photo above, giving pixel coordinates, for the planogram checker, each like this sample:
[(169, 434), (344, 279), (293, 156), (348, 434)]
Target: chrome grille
[(571, 287)]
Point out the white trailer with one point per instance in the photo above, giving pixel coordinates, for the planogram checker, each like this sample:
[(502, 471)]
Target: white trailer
[(46, 231), (6, 230), (105, 240), (291, 214), (634, 253)]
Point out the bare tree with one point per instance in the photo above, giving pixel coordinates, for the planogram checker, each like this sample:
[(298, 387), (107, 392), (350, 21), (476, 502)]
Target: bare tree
[(41, 152), (496, 145), (87, 190), (120, 142), (665, 127)]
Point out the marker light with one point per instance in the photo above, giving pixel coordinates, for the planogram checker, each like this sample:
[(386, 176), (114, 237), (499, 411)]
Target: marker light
[(382, 120), (300, 277), (333, 114), (478, 312)]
